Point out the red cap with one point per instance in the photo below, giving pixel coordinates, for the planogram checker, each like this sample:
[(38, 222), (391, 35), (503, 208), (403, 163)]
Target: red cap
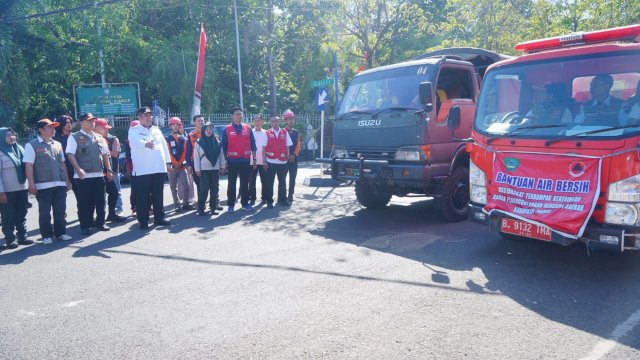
[(102, 122), (175, 120)]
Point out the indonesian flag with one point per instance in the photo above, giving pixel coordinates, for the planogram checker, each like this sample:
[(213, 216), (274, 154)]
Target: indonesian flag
[(197, 96), (364, 61)]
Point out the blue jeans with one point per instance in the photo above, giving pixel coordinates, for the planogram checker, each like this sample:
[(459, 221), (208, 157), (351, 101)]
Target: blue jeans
[(116, 180)]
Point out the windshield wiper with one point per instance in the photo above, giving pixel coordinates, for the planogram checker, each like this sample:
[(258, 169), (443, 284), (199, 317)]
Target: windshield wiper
[(394, 108), (354, 112), (529, 127), (551, 141)]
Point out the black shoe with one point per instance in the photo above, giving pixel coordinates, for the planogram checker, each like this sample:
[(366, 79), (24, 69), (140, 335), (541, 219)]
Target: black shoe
[(290, 198), (116, 218), (103, 227), (202, 213), (218, 207), (187, 207), (24, 242), (162, 222), (85, 231), (178, 209), (269, 206), (12, 245), (144, 226), (252, 202)]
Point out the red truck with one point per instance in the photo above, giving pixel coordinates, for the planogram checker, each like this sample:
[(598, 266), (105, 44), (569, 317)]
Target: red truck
[(555, 145)]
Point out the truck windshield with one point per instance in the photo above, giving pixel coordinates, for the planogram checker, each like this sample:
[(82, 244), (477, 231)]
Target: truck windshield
[(386, 89), (580, 96)]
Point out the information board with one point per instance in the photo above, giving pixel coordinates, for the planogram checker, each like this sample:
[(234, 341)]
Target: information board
[(114, 99)]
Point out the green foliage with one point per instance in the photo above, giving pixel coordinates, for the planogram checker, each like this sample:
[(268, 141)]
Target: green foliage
[(155, 43)]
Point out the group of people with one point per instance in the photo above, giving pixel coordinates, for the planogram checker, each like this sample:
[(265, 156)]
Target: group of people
[(86, 162), (602, 109)]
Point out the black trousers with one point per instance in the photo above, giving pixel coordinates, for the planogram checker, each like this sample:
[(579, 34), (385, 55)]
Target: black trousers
[(112, 196), (292, 167), (149, 190), (235, 171), (14, 215), (279, 170), (90, 199), (259, 170), (132, 195), (209, 180), (53, 198)]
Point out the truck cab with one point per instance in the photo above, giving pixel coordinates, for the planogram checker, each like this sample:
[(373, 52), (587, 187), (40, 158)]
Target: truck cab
[(555, 151), (391, 135)]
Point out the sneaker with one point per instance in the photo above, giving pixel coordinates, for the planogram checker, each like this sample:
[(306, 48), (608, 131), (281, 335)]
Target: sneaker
[(187, 207), (177, 208), (201, 213), (85, 231), (247, 207), (24, 242), (64, 237), (47, 241), (230, 209), (162, 222), (116, 218), (252, 202), (11, 245), (218, 207), (269, 206)]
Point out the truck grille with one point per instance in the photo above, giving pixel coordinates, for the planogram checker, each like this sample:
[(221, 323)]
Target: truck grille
[(372, 154)]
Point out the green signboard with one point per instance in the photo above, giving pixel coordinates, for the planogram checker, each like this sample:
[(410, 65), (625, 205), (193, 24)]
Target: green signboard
[(114, 99), (320, 83)]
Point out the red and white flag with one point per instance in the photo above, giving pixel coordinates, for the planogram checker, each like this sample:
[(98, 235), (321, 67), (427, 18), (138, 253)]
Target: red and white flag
[(197, 96)]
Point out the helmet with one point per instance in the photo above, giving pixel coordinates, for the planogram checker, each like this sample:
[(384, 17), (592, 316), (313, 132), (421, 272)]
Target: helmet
[(287, 114), (175, 120)]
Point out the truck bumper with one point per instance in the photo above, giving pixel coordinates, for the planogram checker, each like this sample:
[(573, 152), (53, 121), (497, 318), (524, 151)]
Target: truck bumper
[(381, 172), (596, 236)]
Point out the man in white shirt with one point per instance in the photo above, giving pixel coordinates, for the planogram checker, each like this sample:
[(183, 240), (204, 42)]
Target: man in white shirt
[(151, 161), (48, 181), (260, 135), (276, 153), (88, 152)]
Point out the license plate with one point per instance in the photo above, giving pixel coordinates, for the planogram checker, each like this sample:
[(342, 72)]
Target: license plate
[(523, 228)]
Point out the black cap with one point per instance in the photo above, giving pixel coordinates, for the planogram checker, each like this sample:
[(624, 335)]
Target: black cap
[(143, 110), (86, 116)]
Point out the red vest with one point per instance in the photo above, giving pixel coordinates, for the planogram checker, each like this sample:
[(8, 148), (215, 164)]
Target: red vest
[(238, 145), (276, 145)]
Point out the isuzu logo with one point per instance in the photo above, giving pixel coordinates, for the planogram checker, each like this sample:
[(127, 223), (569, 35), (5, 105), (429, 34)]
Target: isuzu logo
[(369, 122)]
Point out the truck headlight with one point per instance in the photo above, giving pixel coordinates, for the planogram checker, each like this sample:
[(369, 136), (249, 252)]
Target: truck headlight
[(421, 153), (626, 190), (340, 152), (478, 184), (621, 214)]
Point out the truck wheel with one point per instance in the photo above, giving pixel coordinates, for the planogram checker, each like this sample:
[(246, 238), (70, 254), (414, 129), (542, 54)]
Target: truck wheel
[(370, 198), (453, 195)]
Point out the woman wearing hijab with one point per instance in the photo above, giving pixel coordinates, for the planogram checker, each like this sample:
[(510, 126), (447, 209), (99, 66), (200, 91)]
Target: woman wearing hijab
[(13, 190), (207, 162)]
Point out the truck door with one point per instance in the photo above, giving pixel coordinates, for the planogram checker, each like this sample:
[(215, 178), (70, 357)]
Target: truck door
[(456, 85)]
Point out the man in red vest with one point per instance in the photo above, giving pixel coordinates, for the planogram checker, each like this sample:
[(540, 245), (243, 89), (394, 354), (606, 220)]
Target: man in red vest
[(239, 147), (276, 155), (294, 150)]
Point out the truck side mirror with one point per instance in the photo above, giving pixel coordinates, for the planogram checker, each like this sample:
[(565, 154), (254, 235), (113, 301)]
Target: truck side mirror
[(453, 120), (425, 91)]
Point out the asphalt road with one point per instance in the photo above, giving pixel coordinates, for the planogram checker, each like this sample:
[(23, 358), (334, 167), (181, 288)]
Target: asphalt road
[(322, 279)]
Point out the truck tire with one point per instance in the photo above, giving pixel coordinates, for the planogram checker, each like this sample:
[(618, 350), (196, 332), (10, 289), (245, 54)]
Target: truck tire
[(370, 198), (453, 195)]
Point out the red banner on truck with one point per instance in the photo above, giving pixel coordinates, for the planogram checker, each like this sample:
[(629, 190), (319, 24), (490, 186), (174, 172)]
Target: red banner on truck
[(556, 191)]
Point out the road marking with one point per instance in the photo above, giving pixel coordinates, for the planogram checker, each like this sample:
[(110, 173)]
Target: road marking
[(604, 347), (73, 303)]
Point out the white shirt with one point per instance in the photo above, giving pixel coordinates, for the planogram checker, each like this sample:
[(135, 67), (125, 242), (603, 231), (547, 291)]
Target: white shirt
[(289, 143), (72, 147), (634, 115), (30, 157), (261, 142), (148, 161)]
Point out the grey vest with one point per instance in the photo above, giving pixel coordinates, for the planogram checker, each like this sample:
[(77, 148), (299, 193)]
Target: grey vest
[(88, 152), (602, 114), (47, 166)]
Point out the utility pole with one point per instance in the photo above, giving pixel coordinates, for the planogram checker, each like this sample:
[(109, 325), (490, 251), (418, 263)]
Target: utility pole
[(235, 15), (273, 99), (100, 52)]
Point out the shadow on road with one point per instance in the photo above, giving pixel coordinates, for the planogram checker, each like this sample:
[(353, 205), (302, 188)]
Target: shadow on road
[(563, 284)]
